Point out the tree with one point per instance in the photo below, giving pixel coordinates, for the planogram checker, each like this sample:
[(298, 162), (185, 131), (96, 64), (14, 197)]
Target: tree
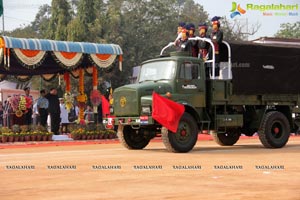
[(26, 32), (60, 17), (193, 13), (289, 30), (238, 30), (41, 22)]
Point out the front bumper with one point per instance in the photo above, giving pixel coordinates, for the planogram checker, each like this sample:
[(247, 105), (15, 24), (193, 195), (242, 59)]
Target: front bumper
[(112, 121)]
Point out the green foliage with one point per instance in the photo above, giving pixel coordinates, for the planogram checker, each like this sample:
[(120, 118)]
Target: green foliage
[(60, 17), (289, 30)]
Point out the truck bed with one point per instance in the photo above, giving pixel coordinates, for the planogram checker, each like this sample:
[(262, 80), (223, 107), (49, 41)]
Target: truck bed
[(260, 69)]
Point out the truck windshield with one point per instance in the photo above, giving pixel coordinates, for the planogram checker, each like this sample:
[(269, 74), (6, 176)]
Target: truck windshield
[(160, 70)]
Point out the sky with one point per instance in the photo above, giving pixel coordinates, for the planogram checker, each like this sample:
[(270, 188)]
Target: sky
[(19, 13)]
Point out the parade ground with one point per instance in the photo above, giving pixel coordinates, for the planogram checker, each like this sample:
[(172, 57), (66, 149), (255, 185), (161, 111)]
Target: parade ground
[(106, 170)]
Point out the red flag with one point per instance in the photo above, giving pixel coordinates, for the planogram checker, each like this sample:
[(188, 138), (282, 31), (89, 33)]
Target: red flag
[(166, 112), (105, 106)]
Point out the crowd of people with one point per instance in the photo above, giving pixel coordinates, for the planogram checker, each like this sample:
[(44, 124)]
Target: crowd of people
[(48, 110), (199, 48)]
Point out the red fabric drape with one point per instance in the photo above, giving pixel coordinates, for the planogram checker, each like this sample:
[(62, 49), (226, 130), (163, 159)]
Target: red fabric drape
[(105, 106), (166, 112)]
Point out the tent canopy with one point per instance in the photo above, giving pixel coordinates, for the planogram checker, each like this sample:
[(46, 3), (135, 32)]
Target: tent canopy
[(27, 57)]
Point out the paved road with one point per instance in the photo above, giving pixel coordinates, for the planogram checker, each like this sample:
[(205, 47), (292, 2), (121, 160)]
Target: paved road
[(108, 171)]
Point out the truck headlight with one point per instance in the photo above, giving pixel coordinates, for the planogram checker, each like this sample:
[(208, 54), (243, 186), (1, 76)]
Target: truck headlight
[(146, 110)]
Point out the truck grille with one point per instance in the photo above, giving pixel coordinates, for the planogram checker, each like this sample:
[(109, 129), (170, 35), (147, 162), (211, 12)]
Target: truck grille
[(126, 103)]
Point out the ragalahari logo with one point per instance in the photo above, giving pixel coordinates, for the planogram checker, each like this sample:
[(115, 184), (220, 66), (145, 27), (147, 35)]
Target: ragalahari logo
[(236, 10)]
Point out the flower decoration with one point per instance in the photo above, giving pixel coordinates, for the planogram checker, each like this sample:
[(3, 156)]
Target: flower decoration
[(82, 98), (69, 101), (95, 97), (14, 102), (20, 104)]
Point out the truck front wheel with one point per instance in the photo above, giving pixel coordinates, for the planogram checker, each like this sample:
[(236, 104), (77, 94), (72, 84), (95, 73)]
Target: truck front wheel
[(275, 130), (229, 138), (132, 138), (184, 139)]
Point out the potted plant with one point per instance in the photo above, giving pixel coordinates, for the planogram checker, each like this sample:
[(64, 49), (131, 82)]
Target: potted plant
[(49, 135), (21, 136), (11, 136), (111, 133), (26, 136), (78, 134), (3, 133), (5, 136)]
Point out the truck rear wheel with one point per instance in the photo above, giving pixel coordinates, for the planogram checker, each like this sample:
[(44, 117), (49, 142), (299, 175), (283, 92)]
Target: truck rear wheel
[(132, 138), (229, 138), (275, 130), (184, 139)]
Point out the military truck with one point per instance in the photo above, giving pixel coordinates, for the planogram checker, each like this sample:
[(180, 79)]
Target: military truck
[(257, 92)]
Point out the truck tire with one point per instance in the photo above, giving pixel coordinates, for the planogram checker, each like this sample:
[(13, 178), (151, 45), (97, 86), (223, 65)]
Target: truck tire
[(132, 138), (227, 139), (275, 130), (184, 139)]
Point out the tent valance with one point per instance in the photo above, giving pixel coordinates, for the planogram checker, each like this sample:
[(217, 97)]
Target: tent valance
[(53, 45), (20, 56)]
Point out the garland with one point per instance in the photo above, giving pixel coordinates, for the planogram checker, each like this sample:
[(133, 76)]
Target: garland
[(67, 81), (95, 95), (68, 60), (48, 77), (30, 59), (68, 97), (102, 60), (81, 98), (23, 78)]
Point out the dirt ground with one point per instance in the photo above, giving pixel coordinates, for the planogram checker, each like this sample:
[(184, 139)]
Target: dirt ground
[(246, 171)]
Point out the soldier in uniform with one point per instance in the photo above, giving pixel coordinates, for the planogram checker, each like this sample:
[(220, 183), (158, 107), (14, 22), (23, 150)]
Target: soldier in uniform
[(184, 44), (194, 43), (217, 38), (204, 47), (181, 26)]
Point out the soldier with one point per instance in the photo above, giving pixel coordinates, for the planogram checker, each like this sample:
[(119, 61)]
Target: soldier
[(194, 43), (202, 45), (180, 27), (184, 44), (217, 38)]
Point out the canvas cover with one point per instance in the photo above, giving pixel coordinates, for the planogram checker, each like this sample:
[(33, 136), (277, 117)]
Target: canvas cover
[(264, 68)]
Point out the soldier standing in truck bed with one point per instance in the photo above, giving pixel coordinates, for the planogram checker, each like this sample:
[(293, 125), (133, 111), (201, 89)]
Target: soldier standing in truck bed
[(194, 43), (217, 38)]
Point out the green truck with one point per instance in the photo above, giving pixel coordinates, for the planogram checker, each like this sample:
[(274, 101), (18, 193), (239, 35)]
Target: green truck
[(258, 91)]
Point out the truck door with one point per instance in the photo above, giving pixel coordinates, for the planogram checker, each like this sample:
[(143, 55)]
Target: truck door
[(190, 82)]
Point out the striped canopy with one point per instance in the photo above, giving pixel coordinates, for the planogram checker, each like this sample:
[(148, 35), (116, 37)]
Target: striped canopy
[(27, 57), (52, 45)]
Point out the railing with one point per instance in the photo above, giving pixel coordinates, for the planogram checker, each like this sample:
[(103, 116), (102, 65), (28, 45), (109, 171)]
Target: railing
[(212, 61)]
